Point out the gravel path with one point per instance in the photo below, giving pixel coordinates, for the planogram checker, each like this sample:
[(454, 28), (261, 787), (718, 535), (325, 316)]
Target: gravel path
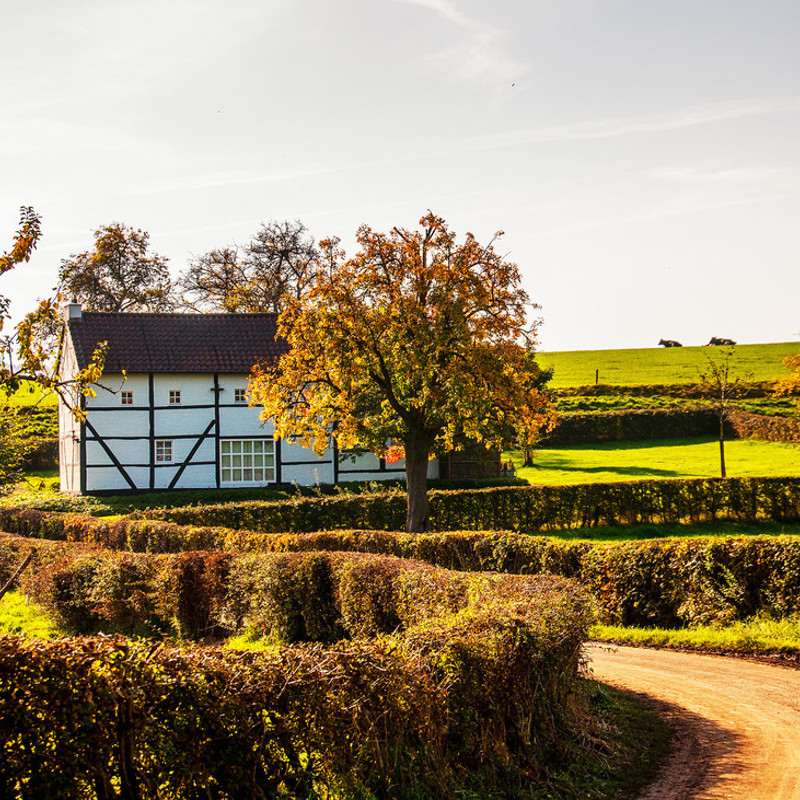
[(736, 723)]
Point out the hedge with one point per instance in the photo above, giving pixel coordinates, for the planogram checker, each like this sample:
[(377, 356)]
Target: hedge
[(633, 425), (668, 583), (518, 508), (476, 691), (521, 508), (759, 426), (668, 423)]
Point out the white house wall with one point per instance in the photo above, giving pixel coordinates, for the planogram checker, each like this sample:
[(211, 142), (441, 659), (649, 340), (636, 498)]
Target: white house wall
[(69, 460), (119, 442)]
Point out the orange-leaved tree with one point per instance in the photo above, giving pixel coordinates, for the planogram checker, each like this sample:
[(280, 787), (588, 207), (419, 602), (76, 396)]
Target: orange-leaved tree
[(417, 343)]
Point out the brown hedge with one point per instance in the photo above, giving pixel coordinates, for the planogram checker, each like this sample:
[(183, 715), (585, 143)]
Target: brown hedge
[(478, 694)]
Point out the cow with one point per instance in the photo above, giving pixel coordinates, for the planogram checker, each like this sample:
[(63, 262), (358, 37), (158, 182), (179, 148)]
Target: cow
[(669, 343), (719, 342)]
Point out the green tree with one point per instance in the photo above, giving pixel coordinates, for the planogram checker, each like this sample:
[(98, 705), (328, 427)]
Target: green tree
[(119, 274), (414, 346), (278, 261)]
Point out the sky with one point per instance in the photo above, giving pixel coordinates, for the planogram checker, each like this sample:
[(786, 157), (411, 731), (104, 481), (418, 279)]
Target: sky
[(642, 157)]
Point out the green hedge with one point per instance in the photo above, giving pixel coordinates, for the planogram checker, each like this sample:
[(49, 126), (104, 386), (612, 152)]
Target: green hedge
[(632, 425), (522, 508), (668, 423), (476, 691), (519, 508)]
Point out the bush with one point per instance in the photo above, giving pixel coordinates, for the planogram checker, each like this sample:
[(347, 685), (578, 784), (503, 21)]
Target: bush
[(522, 508), (483, 700)]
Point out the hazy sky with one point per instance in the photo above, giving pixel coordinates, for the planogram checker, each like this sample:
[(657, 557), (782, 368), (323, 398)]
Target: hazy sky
[(642, 157)]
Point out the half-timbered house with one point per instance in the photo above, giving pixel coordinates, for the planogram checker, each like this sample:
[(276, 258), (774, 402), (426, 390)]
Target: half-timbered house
[(179, 417)]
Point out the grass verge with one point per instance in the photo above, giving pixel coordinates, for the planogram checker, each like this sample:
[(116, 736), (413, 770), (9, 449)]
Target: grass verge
[(758, 636)]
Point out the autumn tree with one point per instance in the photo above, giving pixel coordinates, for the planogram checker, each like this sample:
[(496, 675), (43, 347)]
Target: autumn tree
[(789, 385), (36, 339), (118, 274), (415, 345), (277, 262)]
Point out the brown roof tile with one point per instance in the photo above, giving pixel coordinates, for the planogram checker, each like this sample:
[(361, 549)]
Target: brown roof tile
[(143, 342)]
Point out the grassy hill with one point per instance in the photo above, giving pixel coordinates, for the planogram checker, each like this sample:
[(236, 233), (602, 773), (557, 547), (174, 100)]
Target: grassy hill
[(662, 365)]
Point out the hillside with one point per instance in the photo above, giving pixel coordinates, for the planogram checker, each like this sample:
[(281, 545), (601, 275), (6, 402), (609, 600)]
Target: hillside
[(661, 365)]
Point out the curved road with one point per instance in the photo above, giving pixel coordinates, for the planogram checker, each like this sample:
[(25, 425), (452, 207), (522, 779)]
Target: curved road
[(736, 723)]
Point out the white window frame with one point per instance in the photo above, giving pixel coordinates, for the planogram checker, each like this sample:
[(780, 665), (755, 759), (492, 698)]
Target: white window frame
[(174, 397), (163, 453), (239, 395), (247, 462), (126, 397)]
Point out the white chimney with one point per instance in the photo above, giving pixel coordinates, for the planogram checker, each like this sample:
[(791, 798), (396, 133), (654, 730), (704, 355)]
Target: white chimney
[(74, 312)]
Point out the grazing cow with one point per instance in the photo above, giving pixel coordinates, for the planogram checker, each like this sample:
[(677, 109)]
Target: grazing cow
[(669, 343), (718, 342)]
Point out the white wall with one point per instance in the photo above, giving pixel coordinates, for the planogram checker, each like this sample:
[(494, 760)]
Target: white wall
[(125, 429)]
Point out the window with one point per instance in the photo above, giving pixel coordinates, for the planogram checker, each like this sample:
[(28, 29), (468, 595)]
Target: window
[(163, 451), (247, 460), (240, 395), (126, 398), (174, 397)]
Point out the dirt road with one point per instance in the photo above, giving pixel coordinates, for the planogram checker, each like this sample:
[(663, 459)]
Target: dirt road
[(737, 723)]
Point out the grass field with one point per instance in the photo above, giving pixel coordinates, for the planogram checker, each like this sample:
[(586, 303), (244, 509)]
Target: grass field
[(29, 394), (662, 365), (669, 458)]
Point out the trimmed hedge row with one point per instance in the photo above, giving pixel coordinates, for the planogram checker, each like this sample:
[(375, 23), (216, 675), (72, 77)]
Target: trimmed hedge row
[(758, 426), (697, 391), (633, 425), (521, 508), (477, 691), (665, 583), (668, 423), (669, 583)]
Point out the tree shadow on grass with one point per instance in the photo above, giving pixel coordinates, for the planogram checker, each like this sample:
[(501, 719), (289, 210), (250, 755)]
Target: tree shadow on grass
[(629, 472)]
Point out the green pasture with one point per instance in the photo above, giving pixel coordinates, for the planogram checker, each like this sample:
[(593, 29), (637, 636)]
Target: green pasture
[(29, 394), (669, 458), (662, 365)]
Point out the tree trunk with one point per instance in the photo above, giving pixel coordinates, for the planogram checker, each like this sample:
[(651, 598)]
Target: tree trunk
[(722, 443), (417, 488)]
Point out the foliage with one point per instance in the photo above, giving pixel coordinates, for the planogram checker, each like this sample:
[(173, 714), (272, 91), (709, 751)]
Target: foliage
[(119, 274), (12, 447), (25, 241), (479, 694), (790, 384), (414, 342), (278, 262)]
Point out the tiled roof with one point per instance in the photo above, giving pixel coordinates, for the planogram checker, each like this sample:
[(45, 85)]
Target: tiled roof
[(143, 342)]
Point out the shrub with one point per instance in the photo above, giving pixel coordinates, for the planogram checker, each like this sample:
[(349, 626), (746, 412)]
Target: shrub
[(475, 702)]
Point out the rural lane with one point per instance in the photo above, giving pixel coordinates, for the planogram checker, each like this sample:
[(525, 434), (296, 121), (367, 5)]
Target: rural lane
[(736, 723)]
